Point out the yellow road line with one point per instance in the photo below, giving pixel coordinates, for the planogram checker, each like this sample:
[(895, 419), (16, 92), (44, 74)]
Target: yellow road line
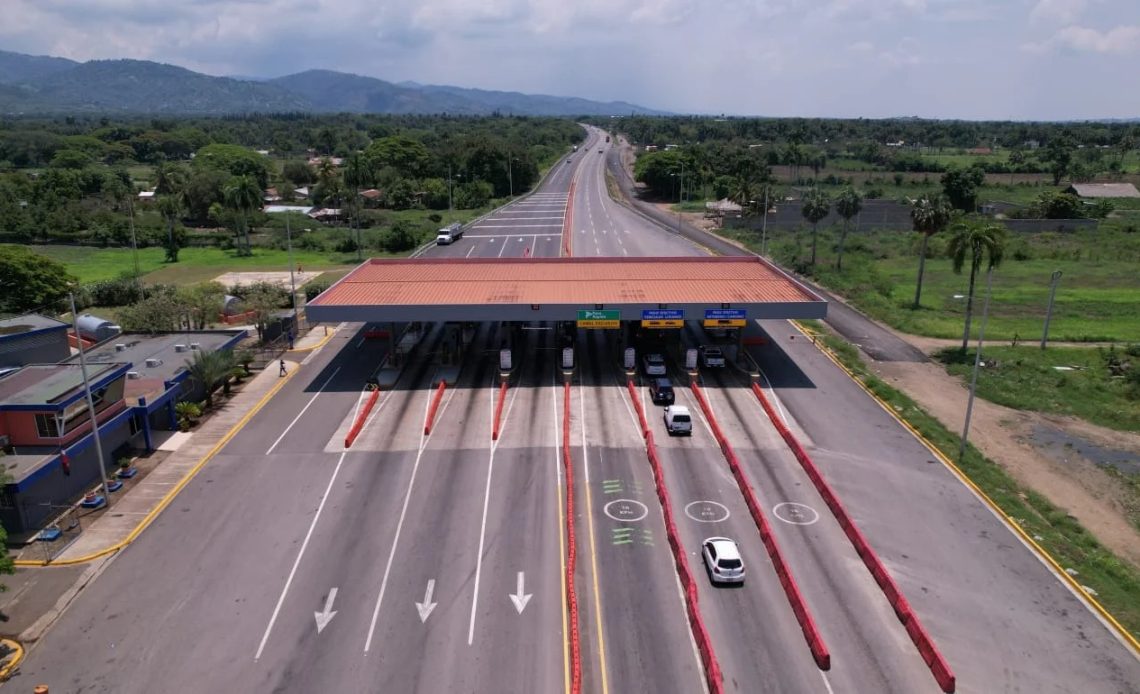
[(597, 592), (320, 344), (562, 563), (965, 479), (11, 665), (146, 521)]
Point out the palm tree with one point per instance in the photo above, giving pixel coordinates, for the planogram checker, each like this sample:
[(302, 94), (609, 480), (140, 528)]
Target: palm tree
[(211, 370), (170, 206), (848, 204), (817, 205), (242, 196), (929, 215), (743, 191), (982, 240), (356, 174)]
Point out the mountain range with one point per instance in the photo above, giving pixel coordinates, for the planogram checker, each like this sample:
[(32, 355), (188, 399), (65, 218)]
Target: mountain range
[(47, 85)]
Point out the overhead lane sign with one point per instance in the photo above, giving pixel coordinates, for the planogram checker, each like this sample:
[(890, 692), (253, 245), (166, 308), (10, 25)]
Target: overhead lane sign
[(725, 317), (663, 318), (608, 319)]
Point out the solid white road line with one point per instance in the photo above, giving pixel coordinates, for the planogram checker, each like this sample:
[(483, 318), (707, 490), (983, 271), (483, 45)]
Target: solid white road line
[(303, 410), (400, 523), (297, 561)]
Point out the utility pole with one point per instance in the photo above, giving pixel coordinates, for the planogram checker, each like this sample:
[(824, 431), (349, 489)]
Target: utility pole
[(977, 363), (90, 403), (292, 280), (764, 224), (449, 187), (1049, 310), (510, 174)]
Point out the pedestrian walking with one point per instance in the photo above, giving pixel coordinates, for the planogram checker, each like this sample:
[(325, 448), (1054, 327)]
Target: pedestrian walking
[(283, 372)]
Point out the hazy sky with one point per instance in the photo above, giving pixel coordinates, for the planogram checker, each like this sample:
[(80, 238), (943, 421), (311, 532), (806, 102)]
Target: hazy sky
[(1006, 59)]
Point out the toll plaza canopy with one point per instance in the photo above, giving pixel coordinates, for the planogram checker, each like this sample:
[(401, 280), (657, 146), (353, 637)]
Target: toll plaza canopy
[(565, 289)]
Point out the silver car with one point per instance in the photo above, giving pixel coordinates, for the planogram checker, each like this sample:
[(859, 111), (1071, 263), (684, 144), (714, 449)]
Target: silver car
[(722, 560)]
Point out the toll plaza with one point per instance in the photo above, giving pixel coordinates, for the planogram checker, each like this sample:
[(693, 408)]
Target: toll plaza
[(642, 303)]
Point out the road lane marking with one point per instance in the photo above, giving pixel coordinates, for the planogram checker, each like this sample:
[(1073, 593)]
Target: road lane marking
[(483, 523), (561, 530), (400, 523), (303, 410), (323, 618), (425, 607), (520, 597), (593, 544), (470, 251), (297, 561)]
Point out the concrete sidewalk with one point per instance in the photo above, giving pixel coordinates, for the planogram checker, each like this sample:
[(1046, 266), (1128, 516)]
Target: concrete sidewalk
[(133, 512)]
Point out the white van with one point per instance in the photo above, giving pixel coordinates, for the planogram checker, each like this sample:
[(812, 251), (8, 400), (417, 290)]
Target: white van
[(678, 421), (449, 234)]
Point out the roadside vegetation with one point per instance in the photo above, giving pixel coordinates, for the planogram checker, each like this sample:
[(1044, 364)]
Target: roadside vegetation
[(1114, 583), (1100, 385)]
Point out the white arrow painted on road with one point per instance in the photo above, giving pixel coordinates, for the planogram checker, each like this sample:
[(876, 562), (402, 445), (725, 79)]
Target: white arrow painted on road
[(520, 599), (425, 607), (323, 618)]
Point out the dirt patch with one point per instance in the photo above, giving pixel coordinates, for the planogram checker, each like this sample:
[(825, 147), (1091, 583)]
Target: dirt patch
[(1056, 456), (281, 279)]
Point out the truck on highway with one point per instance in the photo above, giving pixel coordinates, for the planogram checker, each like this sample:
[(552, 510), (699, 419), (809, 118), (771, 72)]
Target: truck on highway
[(711, 356), (607, 138), (449, 234)]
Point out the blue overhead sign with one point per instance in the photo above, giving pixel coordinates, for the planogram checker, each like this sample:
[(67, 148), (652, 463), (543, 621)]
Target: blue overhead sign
[(663, 314), (725, 314)]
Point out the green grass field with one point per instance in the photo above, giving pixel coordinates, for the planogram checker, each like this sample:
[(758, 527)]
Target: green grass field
[(1070, 381), (194, 264), (1098, 299)]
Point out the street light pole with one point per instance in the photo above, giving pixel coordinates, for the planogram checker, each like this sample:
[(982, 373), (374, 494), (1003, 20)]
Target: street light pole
[(449, 188), (977, 363), (1049, 310), (510, 175), (90, 403)]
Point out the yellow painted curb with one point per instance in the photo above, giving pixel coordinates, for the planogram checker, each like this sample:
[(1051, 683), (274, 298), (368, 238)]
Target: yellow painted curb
[(965, 479), (149, 518), (316, 346), (11, 665)]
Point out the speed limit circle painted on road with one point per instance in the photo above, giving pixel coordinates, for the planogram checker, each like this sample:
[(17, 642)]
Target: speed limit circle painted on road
[(706, 511), (795, 514), (626, 510)]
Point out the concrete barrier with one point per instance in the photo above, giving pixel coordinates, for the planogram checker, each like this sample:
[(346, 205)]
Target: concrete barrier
[(918, 635), (571, 550), (430, 418), (799, 606), (499, 411), (361, 418)]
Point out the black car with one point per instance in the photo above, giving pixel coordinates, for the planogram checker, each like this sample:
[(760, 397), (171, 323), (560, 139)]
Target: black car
[(661, 390)]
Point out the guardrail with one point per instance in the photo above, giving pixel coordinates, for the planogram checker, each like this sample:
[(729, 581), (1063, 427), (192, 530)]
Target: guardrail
[(914, 629), (799, 605), (568, 223)]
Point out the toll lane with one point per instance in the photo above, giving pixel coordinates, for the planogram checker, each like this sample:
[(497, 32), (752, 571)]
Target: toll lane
[(648, 646), (998, 614), (757, 639), (870, 650)]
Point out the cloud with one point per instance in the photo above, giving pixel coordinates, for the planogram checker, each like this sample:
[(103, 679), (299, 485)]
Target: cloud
[(872, 10), (862, 47), (1057, 11), (1118, 40)]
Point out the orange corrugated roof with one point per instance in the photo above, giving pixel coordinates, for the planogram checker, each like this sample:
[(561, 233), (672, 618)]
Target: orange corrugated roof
[(444, 282)]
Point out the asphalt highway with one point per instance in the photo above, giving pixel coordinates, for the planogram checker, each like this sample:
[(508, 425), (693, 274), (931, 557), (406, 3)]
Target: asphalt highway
[(434, 562)]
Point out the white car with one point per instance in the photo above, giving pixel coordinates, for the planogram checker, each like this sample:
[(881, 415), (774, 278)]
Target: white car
[(722, 560), (678, 420), (653, 365)]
